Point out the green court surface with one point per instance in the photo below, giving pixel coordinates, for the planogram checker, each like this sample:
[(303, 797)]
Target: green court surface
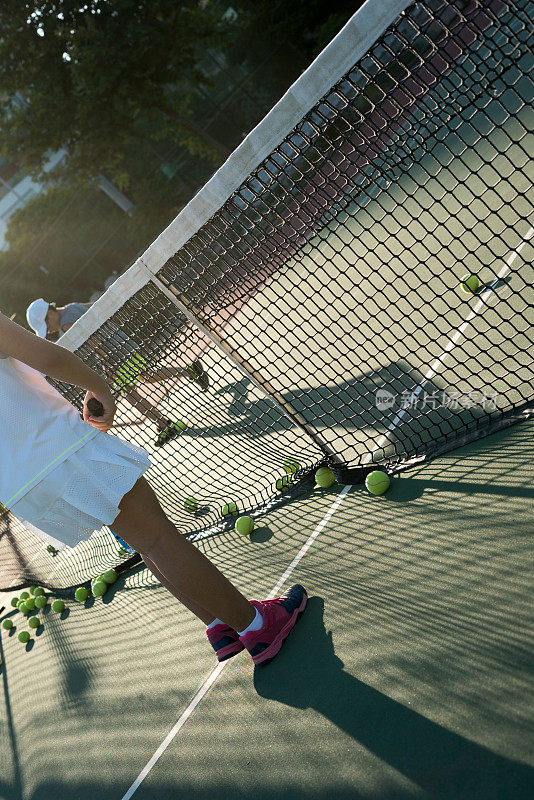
[(407, 677)]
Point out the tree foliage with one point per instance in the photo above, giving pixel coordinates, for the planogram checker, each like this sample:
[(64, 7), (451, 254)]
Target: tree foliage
[(62, 246), (307, 25), (81, 76)]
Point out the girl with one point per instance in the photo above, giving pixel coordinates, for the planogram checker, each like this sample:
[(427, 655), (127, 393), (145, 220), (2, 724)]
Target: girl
[(69, 477), (46, 318)]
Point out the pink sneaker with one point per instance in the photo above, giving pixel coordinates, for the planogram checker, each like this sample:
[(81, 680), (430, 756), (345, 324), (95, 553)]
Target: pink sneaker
[(224, 641), (279, 617)]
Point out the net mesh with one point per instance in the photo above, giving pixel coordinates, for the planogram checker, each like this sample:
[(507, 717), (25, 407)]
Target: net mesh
[(319, 317)]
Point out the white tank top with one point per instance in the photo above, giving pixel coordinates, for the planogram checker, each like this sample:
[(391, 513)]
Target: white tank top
[(39, 429)]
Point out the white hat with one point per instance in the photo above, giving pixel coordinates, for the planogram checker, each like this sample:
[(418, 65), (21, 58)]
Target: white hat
[(36, 316)]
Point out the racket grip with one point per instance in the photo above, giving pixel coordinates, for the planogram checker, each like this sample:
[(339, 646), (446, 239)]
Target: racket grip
[(95, 407)]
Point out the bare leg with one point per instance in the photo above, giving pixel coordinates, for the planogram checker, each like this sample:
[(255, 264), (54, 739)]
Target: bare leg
[(138, 402), (198, 611), (164, 374), (143, 524)]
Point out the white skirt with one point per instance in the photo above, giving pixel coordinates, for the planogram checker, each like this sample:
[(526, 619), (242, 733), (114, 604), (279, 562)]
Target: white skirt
[(83, 493)]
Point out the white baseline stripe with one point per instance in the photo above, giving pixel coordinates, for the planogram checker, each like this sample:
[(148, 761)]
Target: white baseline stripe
[(214, 674), (452, 341)]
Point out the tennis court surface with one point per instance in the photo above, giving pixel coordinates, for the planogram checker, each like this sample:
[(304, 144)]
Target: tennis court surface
[(352, 289), (407, 677)]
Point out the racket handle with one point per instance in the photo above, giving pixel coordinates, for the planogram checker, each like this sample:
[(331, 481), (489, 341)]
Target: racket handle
[(95, 407)]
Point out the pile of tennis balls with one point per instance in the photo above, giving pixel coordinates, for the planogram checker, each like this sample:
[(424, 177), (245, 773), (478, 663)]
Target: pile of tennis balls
[(377, 483), (27, 603), (35, 600), (99, 586)]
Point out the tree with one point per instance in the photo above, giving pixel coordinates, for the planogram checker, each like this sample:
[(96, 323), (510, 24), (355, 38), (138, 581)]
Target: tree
[(62, 246), (91, 77), (308, 25)]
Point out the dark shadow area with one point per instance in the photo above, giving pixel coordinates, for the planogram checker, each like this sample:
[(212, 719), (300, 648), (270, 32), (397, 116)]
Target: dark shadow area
[(261, 534), (404, 488), (13, 789), (178, 789), (442, 763), (495, 284), (379, 402)]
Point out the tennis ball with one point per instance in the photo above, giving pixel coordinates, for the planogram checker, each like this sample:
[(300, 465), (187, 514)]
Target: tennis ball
[(30, 603), (22, 607), (291, 465), (377, 482), (40, 601), (99, 588), (470, 284), (34, 622), (24, 637), (244, 526), (191, 504), (58, 606), (39, 592), (7, 624), (15, 601), (32, 589), (110, 576), (282, 483), (229, 509), (24, 595), (81, 594), (324, 477)]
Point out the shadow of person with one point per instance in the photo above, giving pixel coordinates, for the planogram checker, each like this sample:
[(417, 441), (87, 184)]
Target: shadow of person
[(443, 763), (239, 392)]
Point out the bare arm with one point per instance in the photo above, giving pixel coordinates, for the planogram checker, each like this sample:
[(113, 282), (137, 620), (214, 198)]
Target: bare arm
[(56, 362)]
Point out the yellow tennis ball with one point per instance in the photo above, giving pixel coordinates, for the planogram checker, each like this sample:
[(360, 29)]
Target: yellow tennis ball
[(99, 588), (324, 477), (229, 509), (377, 482), (191, 505), (110, 576), (291, 465), (283, 483), (470, 284), (244, 526)]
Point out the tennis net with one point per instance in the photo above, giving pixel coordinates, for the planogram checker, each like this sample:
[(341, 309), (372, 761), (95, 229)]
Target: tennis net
[(308, 306)]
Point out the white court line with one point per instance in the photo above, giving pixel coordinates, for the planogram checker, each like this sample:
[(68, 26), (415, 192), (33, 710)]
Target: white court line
[(214, 674), (452, 341)]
